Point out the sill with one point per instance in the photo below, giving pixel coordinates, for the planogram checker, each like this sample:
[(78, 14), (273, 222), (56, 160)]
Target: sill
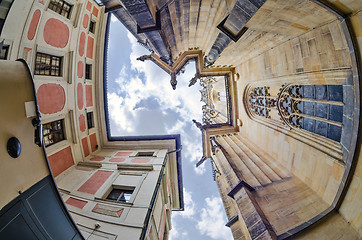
[(127, 204), (54, 148)]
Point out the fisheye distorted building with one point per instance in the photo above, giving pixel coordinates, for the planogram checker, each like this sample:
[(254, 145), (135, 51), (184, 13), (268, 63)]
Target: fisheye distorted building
[(280, 83)]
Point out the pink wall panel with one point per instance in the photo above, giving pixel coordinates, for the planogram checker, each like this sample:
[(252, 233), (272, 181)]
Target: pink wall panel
[(85, 20), (76, 202), (93, 141), (81, 44), (95, 12), (89, 6), (92, 185), (80, 96), (90, 47), (82, 123), (88, 95), (34, 24), (56, 33), (85, 146), (117, 160), (51, 98), (61, 161), (80, 68)]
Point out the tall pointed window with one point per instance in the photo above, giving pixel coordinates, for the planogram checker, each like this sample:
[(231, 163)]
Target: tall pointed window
[(315, 108)]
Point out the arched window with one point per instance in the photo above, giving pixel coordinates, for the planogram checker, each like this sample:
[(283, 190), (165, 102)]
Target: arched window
[(315, 108)]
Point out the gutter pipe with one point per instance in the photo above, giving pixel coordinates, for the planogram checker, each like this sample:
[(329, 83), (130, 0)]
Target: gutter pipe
[(153, 200)]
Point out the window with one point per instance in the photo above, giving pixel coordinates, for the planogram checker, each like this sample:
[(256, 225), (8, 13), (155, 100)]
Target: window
[(144, 154), (4, 52), (46, 64), (53, 132), (90, 122), (120, 195), (88, 71), (61, 7), (314, 108), (92, 26), (221, 96)]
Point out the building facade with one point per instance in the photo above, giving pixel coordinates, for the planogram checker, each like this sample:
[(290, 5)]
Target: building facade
[(282, 102), (112, 187)]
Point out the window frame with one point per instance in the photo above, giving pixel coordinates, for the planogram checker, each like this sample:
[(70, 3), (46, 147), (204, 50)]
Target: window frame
[(92, 26), (91, 119), (62, 130), (88, 71), (69, 11), (50, 65), (5, 47), (123, 190), (145, 154)]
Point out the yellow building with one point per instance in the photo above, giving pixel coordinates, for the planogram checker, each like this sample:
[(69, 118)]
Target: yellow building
[(281, 90)]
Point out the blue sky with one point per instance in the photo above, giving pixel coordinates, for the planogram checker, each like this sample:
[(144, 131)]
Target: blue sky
[(142, 102)]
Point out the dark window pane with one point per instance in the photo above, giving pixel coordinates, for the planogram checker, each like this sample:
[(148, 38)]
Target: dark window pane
[(336, 113), (308, 91), (321, 128), (4, 52), (115, 193), (126, 196), (308, 124), (91, 26), (53, 132), (88, 71), (120, 195), (309, 108), (321, 92), (322, 110), (334, 132), (335, 92), (46, 64), (90, 121)]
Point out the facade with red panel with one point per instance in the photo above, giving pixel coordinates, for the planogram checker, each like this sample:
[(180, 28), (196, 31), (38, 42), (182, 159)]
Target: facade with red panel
[(98, 180)]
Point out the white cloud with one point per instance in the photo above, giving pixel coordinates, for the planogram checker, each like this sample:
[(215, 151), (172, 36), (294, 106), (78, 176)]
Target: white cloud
[(200, 169), (144, 80), (174, 233), (189, 211), (212, 222), (113, 18), (118, 113)]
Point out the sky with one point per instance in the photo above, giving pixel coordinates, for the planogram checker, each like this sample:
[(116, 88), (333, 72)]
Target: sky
[(141, 102)]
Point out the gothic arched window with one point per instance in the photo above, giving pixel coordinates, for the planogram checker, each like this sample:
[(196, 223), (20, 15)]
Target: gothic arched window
[(315, 108)]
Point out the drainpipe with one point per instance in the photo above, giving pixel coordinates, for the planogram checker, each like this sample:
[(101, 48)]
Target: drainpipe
[(153, 200)]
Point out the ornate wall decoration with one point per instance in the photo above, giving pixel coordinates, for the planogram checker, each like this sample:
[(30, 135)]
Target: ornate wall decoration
[(260, 101)]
